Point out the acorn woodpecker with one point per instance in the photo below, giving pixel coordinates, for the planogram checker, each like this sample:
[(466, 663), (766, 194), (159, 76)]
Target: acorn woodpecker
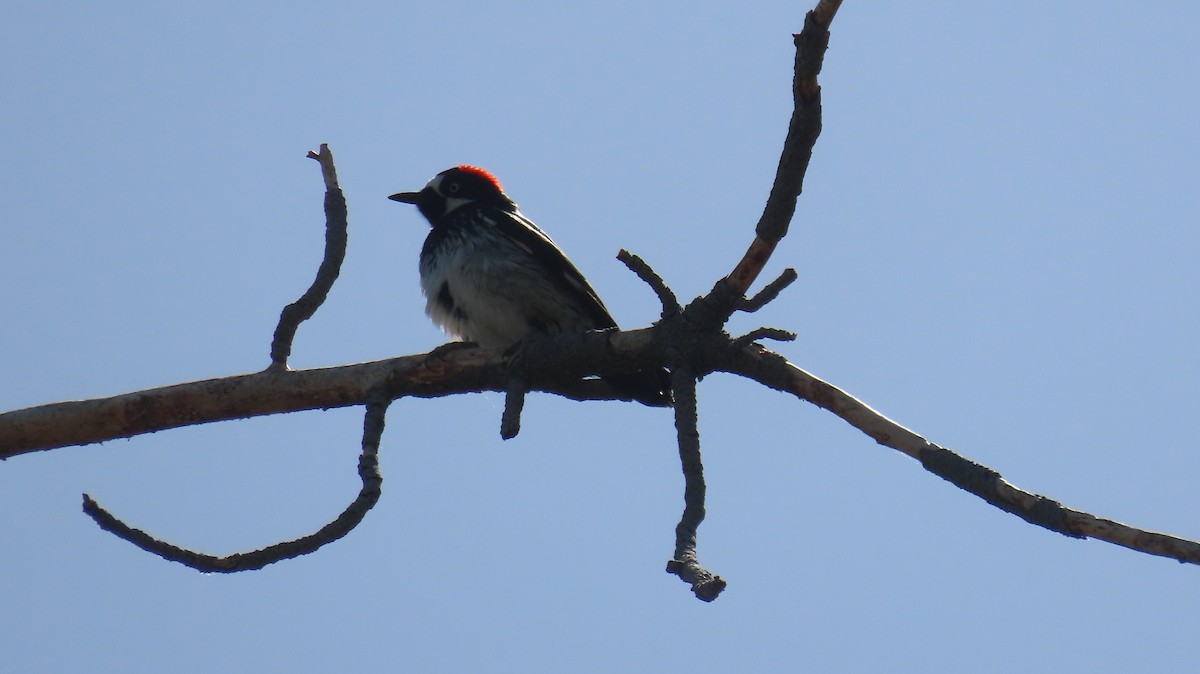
[(492, 277)]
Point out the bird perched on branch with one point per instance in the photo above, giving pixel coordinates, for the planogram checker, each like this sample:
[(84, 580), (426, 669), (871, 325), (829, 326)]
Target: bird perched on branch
[(492, 277)]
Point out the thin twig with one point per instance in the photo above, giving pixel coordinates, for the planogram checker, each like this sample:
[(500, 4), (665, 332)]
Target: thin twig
[(638, 266), (368, 495), (768, 293), (331, 264), (764, 333)]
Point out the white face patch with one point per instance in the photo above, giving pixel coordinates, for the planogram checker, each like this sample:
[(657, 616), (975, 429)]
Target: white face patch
[(451, 202)]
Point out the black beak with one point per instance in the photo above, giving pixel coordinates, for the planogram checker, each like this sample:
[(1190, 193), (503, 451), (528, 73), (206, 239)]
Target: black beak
[(405, 197)]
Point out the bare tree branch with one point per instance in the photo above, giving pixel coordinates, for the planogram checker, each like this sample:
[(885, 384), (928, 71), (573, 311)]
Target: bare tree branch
[(638, 266), (331, 264), (774, 371), (514, 403), (368, 495), (463, 370), (803, 130), (328, 170), (769, 292), (685, 564), (765, 333), (281, 346), (709, 314)]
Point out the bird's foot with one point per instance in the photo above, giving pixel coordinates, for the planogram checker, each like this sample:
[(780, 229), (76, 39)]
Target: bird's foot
[(448, 348)]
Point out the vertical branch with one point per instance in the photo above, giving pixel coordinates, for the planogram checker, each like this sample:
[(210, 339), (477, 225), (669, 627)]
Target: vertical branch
[(803, 130), (705, 584), (331, 265), (514, 403)]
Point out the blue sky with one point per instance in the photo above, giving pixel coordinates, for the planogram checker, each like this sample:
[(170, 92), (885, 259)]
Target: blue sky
[(996, 246)]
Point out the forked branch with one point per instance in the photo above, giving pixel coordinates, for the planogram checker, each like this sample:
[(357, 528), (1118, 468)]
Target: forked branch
[(281, 346)]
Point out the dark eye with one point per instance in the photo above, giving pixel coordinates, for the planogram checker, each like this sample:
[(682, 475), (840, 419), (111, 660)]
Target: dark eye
[(452, 188)]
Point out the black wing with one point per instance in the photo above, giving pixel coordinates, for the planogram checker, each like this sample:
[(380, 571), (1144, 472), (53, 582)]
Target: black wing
[(531, 237)]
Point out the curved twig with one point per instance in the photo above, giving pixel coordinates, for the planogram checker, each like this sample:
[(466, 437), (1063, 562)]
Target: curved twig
[(368, 495), (331, 264), (665, 295)]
